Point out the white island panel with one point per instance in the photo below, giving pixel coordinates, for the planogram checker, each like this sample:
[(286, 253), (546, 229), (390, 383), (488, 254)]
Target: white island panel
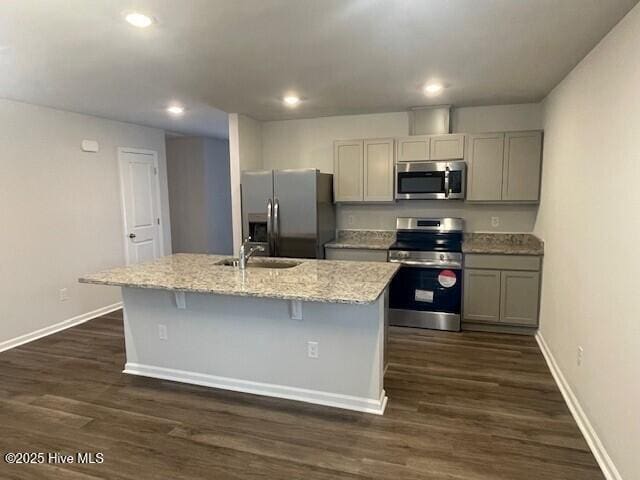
[(253, 345)]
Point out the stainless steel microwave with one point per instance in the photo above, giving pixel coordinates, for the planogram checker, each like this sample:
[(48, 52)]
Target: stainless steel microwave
[(431, 180)]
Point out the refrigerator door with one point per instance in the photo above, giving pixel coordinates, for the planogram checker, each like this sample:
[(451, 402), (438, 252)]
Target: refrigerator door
[(295, 213), (257, 198)]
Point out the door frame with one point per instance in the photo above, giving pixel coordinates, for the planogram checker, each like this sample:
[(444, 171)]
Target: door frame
[(123, 210)]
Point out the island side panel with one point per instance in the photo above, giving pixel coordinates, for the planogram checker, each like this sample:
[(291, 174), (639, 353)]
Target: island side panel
[(252, 344)]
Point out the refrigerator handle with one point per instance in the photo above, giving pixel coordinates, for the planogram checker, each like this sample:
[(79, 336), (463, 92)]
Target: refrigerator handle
[(276, 226), (269, 227)]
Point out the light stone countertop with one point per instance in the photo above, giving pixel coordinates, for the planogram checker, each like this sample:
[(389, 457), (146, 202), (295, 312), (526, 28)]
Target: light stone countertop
[(312, 280), (503, 243), (367, 239)]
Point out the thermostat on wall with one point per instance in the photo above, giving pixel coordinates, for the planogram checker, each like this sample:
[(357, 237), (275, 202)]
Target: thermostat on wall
[(90, 146)]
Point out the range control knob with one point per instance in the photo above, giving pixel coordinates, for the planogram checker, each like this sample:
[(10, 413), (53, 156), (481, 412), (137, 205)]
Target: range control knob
[(442, 257)]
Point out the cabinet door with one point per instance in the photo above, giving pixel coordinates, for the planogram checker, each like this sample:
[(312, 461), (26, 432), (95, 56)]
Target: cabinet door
[(522, 162), (348, 171), (519, 298), (485, 154), (447, 147), (481, 295), (413, 148), (378, 170)]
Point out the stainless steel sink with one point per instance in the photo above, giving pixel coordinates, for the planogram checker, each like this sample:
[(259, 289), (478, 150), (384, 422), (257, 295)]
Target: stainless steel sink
[(256, 263)]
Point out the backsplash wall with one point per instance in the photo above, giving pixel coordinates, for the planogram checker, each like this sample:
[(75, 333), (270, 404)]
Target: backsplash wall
[(512, 218)]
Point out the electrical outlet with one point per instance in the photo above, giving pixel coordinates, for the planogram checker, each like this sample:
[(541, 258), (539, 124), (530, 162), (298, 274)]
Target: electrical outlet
[(162, 332), (64, 294), (495, 222), (312, 349), (580, 355)]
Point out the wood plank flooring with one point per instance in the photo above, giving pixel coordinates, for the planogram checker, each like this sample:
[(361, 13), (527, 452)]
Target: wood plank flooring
[(469, 406)]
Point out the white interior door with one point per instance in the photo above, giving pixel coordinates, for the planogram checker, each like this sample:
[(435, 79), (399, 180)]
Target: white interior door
[(141, 203)]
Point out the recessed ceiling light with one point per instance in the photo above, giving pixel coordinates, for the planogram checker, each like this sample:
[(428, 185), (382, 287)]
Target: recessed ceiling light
[(433, 88), (138, 19), (175, 110), (291, 100)]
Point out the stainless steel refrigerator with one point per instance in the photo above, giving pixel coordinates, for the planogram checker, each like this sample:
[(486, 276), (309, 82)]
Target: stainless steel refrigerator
[(288, 212)]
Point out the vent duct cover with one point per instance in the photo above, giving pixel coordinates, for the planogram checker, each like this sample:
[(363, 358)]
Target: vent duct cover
[(430, 120)]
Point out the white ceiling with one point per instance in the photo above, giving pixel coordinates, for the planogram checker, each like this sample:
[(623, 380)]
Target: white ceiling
[(342, 56)]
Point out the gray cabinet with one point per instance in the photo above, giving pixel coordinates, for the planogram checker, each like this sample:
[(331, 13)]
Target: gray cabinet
[(519, 298), (504, 167), (485, 157), (363, 170), (501, 290), (414, 148), (522, 165), (446, 147), (378, 170), (348, 170), (482, 295)]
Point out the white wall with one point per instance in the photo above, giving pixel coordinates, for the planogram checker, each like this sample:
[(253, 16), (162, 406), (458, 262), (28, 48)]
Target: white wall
[(245, 152), (309, 144), (199, 194), (497, 118), (60, 212), (590, 220)]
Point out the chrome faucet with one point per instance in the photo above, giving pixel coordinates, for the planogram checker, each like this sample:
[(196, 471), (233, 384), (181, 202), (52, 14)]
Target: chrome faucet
[(244, 256)]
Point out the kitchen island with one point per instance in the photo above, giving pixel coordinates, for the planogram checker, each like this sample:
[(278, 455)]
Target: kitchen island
[(308, 330)]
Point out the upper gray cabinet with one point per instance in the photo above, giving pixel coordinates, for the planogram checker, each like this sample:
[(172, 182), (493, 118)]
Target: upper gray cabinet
[(348, 170), (430, 147), (414, 148), (484, 166), (447, 147), (363, 170), (378, 170), (504, 167), (522, 161)]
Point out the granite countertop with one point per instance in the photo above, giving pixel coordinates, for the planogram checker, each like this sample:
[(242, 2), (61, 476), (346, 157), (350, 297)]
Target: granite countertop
[(368, 239), (311, 280), (503, 243)]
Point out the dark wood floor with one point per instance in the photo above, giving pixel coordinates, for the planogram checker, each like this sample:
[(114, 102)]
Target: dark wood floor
[(466, 406)]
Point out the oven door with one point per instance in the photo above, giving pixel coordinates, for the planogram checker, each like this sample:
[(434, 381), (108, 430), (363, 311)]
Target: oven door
[(430, 180), (426, 297)]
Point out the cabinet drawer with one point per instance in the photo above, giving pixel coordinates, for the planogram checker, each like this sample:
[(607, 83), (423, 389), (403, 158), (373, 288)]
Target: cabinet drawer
[(356, 254), (502, 262)]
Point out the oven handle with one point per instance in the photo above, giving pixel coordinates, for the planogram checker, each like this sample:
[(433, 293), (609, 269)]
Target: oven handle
[(439, 265)]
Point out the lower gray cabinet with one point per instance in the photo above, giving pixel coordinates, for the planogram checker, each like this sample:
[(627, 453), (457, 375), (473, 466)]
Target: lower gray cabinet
[(519, 298), (482, 295), (498, 294)]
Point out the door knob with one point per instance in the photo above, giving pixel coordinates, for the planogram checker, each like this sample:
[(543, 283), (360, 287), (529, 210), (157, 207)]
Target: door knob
[(132, 235)]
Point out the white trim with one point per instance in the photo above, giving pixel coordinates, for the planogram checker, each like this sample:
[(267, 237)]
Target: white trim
[(597, 448), (51, 329), (348, 402), (123, 209)]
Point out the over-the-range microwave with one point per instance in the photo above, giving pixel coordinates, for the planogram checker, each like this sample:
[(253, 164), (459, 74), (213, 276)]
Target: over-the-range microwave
[(430, 180)]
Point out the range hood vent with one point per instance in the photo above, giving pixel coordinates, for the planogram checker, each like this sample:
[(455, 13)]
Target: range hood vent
[(430, 120)]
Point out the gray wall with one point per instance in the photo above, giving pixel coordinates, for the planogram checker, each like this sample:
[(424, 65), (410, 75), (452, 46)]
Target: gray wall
[(309, 143), (590, 220), (200, 195), (60, 212)]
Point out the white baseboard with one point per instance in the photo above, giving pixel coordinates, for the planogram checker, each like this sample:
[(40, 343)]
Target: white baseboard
[(51, 329), (348, 402), (597, 448)]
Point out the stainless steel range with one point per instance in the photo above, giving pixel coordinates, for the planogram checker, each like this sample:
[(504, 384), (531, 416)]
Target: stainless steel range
[(427, 291)]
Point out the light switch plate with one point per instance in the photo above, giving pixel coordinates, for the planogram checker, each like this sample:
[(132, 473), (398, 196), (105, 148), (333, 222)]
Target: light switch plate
[(90, 146)]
